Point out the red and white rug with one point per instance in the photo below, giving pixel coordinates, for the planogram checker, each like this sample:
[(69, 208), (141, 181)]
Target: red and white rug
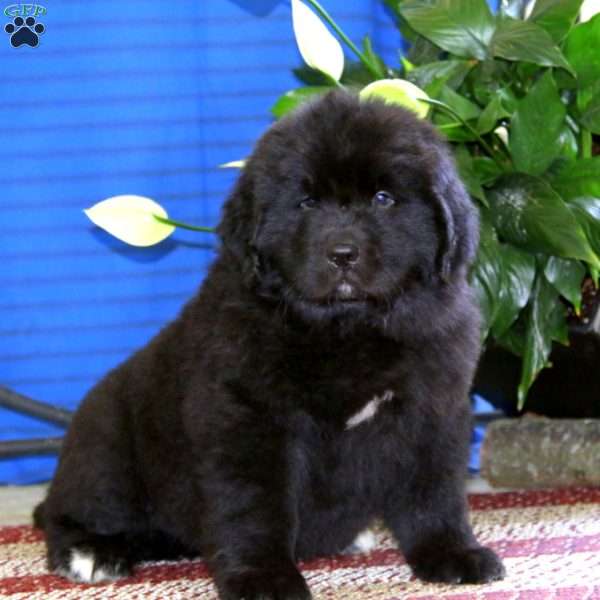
[(549, 540)]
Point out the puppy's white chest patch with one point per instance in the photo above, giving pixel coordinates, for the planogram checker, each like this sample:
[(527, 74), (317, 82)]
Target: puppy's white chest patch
[(369, 410)]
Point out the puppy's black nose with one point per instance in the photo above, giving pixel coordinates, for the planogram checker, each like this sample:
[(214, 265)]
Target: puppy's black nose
[(342, 255)]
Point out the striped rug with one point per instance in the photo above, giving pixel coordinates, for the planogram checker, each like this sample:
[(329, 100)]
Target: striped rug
[(549, 541)]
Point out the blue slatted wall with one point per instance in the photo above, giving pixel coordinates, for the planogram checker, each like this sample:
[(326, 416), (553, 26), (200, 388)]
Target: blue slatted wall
[(124, 97)]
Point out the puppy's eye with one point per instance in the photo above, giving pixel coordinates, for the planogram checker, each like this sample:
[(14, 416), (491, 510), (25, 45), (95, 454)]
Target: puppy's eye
[(308, 203), (383, 200)]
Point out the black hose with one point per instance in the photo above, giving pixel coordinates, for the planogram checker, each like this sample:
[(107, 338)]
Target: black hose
[(33, 408), (12, 448)]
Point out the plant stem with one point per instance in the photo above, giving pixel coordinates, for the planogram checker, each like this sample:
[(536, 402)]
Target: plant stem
[(374, 70), (333, 81), (492, 153), (586, 143), (183, 225)]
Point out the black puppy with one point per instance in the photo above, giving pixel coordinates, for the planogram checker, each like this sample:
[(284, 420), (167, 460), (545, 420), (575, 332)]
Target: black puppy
[(317, 381)]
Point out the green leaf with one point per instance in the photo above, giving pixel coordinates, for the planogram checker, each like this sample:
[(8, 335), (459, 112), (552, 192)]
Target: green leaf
[(294, 98), (407, 67), (466, 109), (564, 80), (578, 178), (356, 75), (586, 96), (421, 50), (587, 213), (461, 27), (373, 57), (557, 323), (452, 127), (311, 78), (527, 73), (518, 273), (393, 5), (556, 16), (591, 114), (568, 144), (486, 274), (468, 173), (455, 132), (445, 72), (513, 340), (581, 50), (488, 78), (525, 41), (491, 114), (487, 170), (566, 277), (527, 212), (536, 126), (538, 338)]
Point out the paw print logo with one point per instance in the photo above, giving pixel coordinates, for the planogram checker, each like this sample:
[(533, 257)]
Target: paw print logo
[(24, 31)]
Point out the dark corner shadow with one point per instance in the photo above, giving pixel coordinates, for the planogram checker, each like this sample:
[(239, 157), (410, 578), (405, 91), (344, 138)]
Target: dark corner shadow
[(150, 254), (258, 8)]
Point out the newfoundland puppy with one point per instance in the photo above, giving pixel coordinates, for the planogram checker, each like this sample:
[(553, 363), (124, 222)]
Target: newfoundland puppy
[(317, 381)]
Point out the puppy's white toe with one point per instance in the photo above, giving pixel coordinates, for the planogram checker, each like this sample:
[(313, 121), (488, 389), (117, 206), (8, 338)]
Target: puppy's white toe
[(364, 542), (83, 568)]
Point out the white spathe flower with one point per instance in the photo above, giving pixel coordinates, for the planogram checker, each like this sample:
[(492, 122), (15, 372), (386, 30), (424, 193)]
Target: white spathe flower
[(398, 91), (234, 164), (502, 133), (588, 9), (131, 219), (318, 47)]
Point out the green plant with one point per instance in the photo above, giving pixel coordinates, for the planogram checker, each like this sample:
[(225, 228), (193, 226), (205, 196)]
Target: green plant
[(519, 99)]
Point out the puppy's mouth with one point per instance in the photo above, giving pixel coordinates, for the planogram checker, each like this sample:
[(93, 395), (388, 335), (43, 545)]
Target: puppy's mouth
[(347, 292)]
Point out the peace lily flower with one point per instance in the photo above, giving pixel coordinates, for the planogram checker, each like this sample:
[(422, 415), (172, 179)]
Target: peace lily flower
[(135, 220), (131, 219), (318, 47), (234, 164), (502, 133), (588, 9), (398, 91)]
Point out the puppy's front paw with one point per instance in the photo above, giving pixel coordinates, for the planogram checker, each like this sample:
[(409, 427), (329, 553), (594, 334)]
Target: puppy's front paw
[(265, 585), (469, 565), (92, 565)]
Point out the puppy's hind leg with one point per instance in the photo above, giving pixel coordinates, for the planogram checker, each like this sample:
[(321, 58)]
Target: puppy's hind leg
[(84, 556)]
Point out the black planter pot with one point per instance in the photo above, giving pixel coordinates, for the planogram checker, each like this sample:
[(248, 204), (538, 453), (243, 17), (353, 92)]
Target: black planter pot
[(568, 389)]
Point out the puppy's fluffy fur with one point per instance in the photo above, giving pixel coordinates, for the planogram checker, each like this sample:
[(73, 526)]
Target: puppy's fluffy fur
[(318, 380)]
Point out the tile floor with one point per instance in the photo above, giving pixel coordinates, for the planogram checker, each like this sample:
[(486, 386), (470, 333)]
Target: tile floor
[(16, 503)]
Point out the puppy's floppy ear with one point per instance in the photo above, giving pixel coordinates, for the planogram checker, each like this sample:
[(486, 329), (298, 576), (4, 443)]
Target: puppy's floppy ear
[(458, 220), (239, 222)]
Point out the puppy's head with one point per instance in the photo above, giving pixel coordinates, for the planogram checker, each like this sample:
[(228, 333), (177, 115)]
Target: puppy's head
[(346, 204)]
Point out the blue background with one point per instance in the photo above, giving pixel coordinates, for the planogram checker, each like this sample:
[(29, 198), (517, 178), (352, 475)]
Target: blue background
[(125, 97)]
